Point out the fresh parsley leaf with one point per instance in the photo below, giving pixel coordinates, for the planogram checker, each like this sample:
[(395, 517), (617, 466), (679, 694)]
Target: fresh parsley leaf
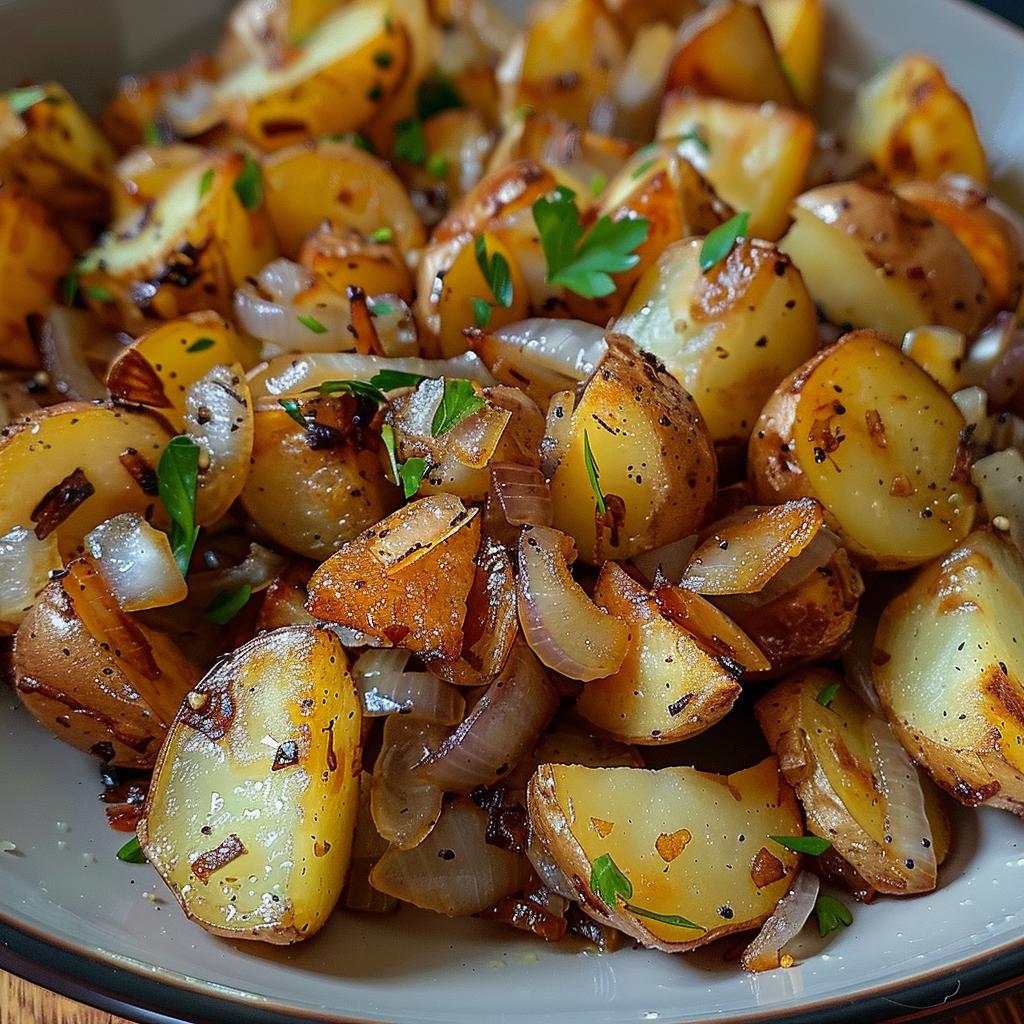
[(720, 240), (151, 134), (813, 845), (98, 294), (584, 263), (642, 170), (594, 473), (291, 406), (356, 388), (380, 309), (695, 135), (384, 234), (353, 139), (597, 184), (226, 605), (388, 380), (177, 476), (206, 182), (827, 695), (437, 93), (312, 323), (438, 165), (481, 313), (607, 882), (496, 273), (249, 184), (408, 475), (69, 286), (19, 100), (201, 345), (831, 915), (131, 852), (458, 401), (673, 919), (411, 142)]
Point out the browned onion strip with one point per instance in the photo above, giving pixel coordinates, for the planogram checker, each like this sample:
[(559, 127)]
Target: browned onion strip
[(789, 917), (387, 689), (259, 569)]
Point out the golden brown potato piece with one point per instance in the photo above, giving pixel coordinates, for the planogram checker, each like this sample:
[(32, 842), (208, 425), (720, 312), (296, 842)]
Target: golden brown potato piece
[(93, 675), (912, 124), (871, 259), (33, 256), (405, 581), (755, 157), (143, 175), (344, 258), (254, 837), (825, 750), (869, 434), (652, 454), (698, 861), (727, 51), (339, 182), (669, 687), (635, 14), (798, 28), (729, 334), (311, 490), (946, 664)]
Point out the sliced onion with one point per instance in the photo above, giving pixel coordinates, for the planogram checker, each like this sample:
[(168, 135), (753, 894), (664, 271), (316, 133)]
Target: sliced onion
[(908, 833), (557, 431), (65, 341), (541, 356), (566, 630), (788, 918), (350, 637), (973, 405), (1000, 482), (257, 571), (388, 689), (367, 843), (995, 350), (137, 562), (367, 848), (857, 659), (501, 729), (454, 871), (396, 326), (1006, 431), (548, 871), (194, 109), (26, 563), (522, 494), (405, 807), (670, 559), (818, 553)]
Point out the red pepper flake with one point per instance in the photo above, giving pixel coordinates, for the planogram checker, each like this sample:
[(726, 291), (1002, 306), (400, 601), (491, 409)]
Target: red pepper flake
[(60, 501), (207, 863)]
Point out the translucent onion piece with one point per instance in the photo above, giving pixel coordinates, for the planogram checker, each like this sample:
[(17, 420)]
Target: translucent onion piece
[(1006, 431), (670, 559), (25, 566), (405, 807), (396, 326), (857, 673), (522, 494), (939, 351), (973, 404), (788, 918), (366, 841), (565, 629), (219, 418), (454, 871), (557, 432), (137, 562), (815, 556), (259, 569), (748, 548), (65, 341), (501, 729), (367, 848), (1000, 482), (388, 689), (908, 831), (985, 357), (642, 78), (548, 871), (194, 109)]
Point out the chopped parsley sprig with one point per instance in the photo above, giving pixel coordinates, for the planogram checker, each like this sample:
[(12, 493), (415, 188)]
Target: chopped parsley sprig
[(608, 883), (594, 473), (177, 477)]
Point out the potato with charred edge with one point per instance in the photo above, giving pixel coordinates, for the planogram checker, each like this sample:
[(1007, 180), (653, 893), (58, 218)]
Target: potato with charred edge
[(825, 753), (912, 124), (798, 28), (755, 157), (865, 431), (254, 839), (34, 256), (404, 582), (669, 687), (688, 853), (313, 489), (653, 457), (947, 668), (344, 258), (186, 253), (729, 334), (70, 467), (871, 259), (93, 675)]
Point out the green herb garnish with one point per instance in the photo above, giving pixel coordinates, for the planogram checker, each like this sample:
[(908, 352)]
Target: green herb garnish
[(695, 135), (311, 323), (201, 345), (812, 845), (177, 477), (642, 169), (496, 273), (408, 475), (482, 310), (608, 883), (597, 184), (131, 852), (206, 182), (411, 142), (827, 695), (582, 261), (436, 94), (384, 234), (594, 473), (98, 294), (831, 915), (292, 407), (226, 605), (19, 100), (458, 401), (438, 165), (249, 184), (388, 380), (673, 919), (356, 388), (151, 134), (381, 309), (69, 286), (720, 241)]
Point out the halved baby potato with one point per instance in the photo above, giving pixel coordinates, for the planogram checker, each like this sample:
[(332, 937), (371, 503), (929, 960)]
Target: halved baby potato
[(669, 687), (865, 431), (872, 259), (695, 848), (94, 675), (819, 734), (344, 258), (252, 808), (798, 28), (947, 666), (729, 334)]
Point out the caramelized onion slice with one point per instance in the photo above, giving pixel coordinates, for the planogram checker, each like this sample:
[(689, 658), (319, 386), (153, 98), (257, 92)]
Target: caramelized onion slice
[(670, 559), (387, 689), (789, 917), (66, 340), (522, 494), (565, 629), (26, 563)]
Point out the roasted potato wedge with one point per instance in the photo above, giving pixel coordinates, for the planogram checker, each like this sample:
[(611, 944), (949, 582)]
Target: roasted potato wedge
[(913, 125), (798, 28), (669, 687), (825, 753), (755, 157), (33, 256), (143, 175), (654, 457), (344, 258), (254, 838), (339, 182), (404, 583), (311, 490), (93, 675), (946, 664), (635, 14), (69, 467), (727, 51), (869, 434), (729, 334), (699, 856)]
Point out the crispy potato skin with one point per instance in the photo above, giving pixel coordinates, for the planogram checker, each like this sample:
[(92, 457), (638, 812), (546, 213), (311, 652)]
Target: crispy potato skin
[(947, 671)]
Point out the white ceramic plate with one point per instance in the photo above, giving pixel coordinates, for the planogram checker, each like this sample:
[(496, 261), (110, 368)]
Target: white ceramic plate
[(75, 918)]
